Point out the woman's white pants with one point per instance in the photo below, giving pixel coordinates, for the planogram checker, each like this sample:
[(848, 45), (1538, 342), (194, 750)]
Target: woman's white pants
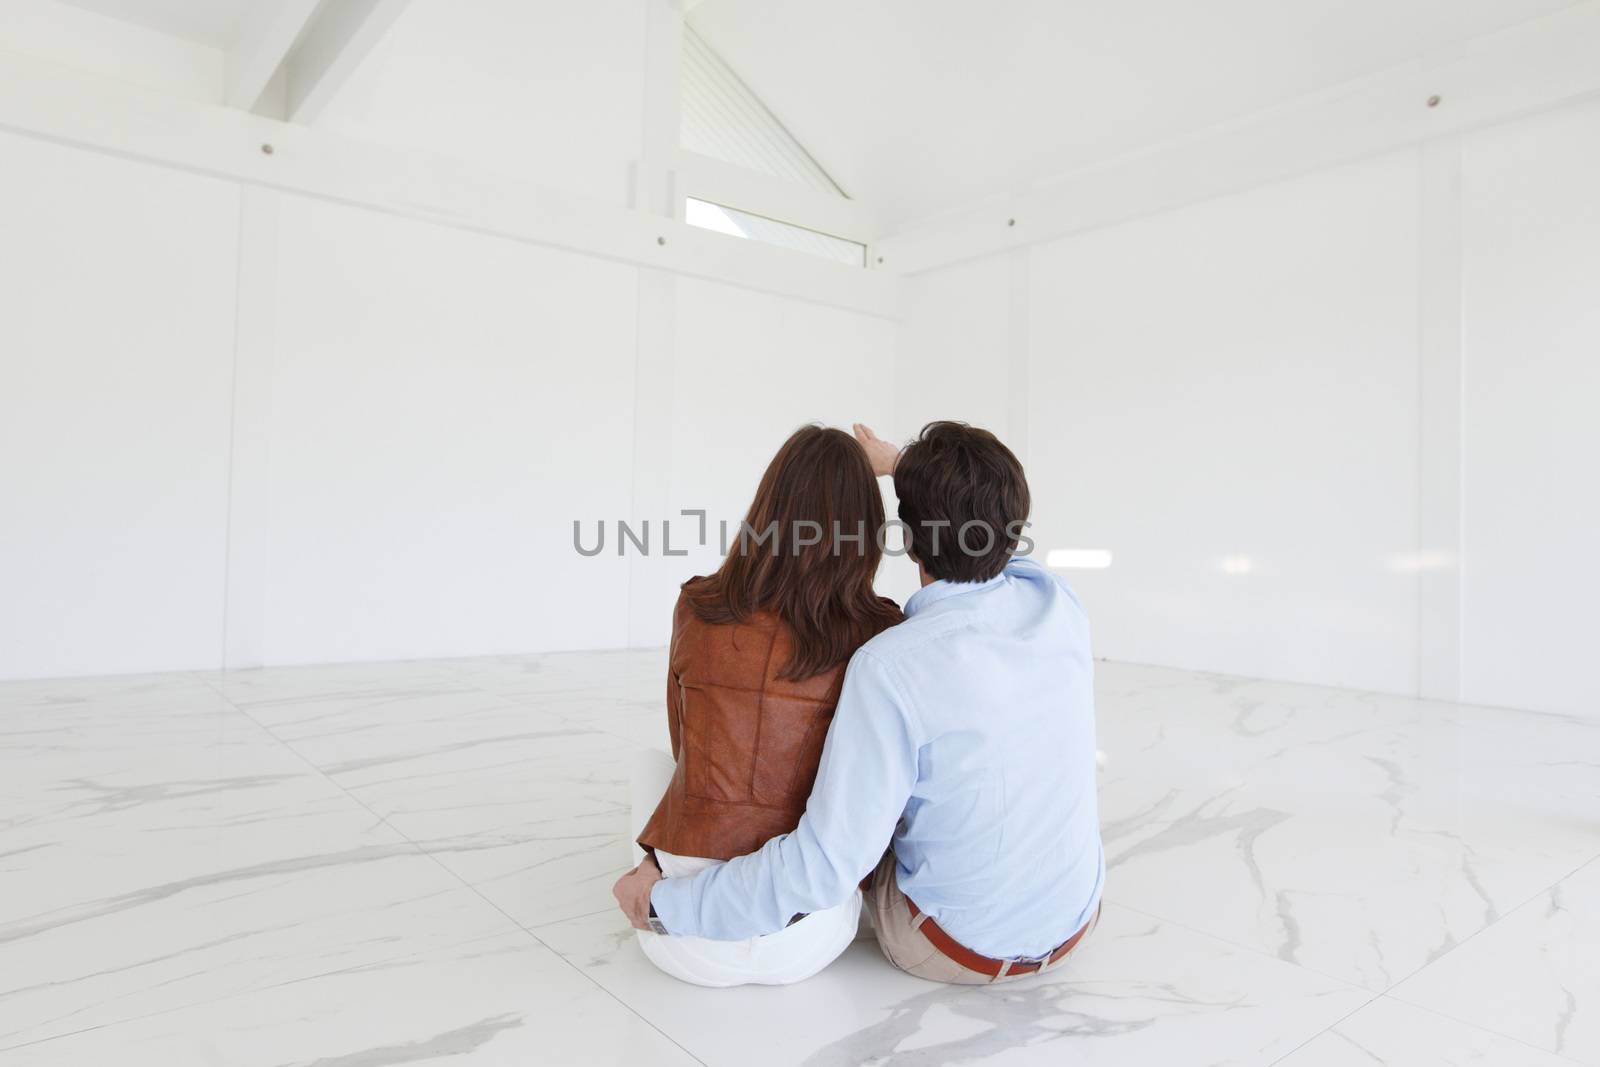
[(793, 954)]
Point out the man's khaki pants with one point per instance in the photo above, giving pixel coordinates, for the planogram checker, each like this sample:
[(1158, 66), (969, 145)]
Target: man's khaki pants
[(901, 938)]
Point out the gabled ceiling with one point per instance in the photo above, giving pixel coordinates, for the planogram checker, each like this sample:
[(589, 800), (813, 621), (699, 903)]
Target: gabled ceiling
[(551, 92), (914, 107), (924, 106), (211, 22)]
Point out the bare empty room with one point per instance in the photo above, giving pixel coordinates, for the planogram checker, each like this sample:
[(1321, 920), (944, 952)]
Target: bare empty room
[(815, 532)]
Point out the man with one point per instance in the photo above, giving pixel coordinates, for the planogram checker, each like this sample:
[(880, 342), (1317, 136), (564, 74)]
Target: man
[(964, 739)]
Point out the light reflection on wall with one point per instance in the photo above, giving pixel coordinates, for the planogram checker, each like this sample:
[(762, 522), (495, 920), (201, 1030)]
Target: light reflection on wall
[(1078, 559)]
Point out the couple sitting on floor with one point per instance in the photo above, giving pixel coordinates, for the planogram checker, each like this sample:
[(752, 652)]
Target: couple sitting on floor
[(942, 761)]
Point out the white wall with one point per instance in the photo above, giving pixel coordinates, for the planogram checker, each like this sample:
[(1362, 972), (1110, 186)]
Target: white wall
[(415, 414), (1186, 388), (116, 362), (1531, 391), (443, 405), (752, 368), (1232, 398), (956, 320), (749, 369), (1225, 398)]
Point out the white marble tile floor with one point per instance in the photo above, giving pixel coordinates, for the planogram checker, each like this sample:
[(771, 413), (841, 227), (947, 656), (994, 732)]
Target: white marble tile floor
[(410, 863)]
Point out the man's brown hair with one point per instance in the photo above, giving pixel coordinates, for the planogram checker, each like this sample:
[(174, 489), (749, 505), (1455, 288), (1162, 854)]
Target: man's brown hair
[(807, 552), (964, 501)]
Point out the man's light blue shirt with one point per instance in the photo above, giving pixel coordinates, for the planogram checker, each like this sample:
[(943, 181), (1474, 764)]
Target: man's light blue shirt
[(966, 736)]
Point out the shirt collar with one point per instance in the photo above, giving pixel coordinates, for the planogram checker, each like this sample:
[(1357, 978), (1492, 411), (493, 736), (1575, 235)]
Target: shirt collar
[(931, 594)]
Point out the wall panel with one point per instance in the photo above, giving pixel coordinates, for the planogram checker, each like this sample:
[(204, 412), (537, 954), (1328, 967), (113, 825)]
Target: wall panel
[(1225, 398), (750, 369), (951, 361), (444, 405), (116, 359), (1530, 434)]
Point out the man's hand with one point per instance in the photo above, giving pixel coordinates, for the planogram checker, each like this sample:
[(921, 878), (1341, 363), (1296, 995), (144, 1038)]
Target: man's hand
[(633, 892), (880, 453)]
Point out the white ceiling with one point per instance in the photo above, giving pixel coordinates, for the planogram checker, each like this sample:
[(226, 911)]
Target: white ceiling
[(913, 106), (548, 91), (211, 22), (922, 106)]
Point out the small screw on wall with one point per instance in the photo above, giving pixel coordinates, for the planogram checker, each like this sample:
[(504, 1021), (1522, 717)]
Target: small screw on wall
[(1433, 101), (266, 150), (1011, 222), (880, 259), (661, 240)]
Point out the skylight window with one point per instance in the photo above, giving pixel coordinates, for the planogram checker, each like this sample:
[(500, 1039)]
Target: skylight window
[(736, 223)]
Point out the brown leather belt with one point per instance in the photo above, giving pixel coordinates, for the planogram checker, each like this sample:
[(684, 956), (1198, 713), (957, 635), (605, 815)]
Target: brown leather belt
[(969, 959)]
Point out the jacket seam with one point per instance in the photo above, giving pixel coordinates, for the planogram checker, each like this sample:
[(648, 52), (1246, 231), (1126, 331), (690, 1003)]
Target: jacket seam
[(763, 690), (724, 805), (800, 762), (761, 714)]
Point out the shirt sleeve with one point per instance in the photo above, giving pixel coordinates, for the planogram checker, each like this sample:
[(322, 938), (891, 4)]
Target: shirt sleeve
[(868, 769)]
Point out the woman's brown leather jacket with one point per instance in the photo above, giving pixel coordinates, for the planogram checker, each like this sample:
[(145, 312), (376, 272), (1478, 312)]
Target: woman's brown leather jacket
[(747, 742)]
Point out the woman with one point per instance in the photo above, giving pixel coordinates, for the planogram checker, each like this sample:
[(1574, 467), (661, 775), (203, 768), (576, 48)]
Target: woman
[(757, 661)]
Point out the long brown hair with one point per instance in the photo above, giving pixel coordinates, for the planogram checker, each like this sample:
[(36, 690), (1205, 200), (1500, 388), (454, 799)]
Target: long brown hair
[(818, 488)]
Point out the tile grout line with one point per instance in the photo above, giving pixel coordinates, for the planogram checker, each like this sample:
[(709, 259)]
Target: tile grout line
[(201, 678), (453, 874), (513, 701), (1480, 1027), (1454, 948), (1363, 1006), (1389, 991), (570, 918), (246, 992), (1535, 895), (1254, 950)]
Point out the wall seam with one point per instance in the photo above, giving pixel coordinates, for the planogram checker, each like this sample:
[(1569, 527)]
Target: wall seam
[(1439, 412), (233, 433), (1017, 352), (255, 341)]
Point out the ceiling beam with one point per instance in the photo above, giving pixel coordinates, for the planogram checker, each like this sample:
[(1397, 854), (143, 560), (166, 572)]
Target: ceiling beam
[(50, 102), (343, 34), (653, 186), (264, 40)]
